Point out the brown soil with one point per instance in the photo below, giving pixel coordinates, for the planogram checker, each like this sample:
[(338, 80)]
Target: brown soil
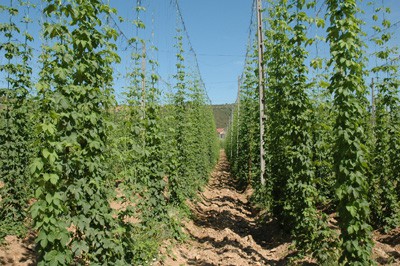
[(224, 229), (18, 252), (387, 247)]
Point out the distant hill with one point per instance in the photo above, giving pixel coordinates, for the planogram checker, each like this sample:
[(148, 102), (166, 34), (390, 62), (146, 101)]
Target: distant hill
[(222, 113)]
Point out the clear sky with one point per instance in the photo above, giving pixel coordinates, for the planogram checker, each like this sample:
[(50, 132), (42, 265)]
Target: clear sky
[(219, 29), (218, 32)]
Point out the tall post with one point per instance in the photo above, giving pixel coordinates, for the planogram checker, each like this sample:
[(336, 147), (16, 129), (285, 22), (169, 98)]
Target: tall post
[(143, 96), (144, 57), (261, 88), (238, 120), (231, 130), (373, 109)]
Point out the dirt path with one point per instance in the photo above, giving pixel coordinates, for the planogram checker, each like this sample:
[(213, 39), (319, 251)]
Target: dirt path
[(224, 229)]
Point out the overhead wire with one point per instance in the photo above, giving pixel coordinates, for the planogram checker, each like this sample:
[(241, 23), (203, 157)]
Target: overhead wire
[(180, 16), (130, 44), (250, 36), (179, 13), (396, 24)]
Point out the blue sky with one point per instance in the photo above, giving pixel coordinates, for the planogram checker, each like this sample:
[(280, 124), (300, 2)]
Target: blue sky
[(218, 31)]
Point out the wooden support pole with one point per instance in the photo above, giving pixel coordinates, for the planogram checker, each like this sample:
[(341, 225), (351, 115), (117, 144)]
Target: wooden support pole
[(238, 120), (231, 130), (261, 88), (373, 108), (144, 57)]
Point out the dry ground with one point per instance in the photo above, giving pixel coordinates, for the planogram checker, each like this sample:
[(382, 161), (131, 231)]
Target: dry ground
[(18, 252)]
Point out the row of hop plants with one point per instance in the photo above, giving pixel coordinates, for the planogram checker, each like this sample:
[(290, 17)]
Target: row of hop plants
[(331, 155), (97, 183)]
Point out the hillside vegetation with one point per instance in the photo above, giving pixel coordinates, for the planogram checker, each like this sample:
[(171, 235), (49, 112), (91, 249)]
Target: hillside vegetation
[(222, 113)]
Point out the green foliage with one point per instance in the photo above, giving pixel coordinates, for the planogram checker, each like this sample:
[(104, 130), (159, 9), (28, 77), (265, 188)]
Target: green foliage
[(310, 171), (193, 141), (222, 114), (294, 193), (291, 187), (155, 174), (350, 151), (145, 135), (245, 136), (322, 126), (15, 124), (386, 206), (72, 213), (178, 177), (291, 191), (109, 182)]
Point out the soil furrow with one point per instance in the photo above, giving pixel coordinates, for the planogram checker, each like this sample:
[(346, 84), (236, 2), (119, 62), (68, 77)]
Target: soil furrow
[(224, 231)]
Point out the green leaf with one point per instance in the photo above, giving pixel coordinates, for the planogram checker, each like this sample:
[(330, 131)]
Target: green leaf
[(36, 166)]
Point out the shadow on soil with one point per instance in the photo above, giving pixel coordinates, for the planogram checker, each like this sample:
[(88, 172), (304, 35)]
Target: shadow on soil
[(392, 240), (266, 234), (27, 257)]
